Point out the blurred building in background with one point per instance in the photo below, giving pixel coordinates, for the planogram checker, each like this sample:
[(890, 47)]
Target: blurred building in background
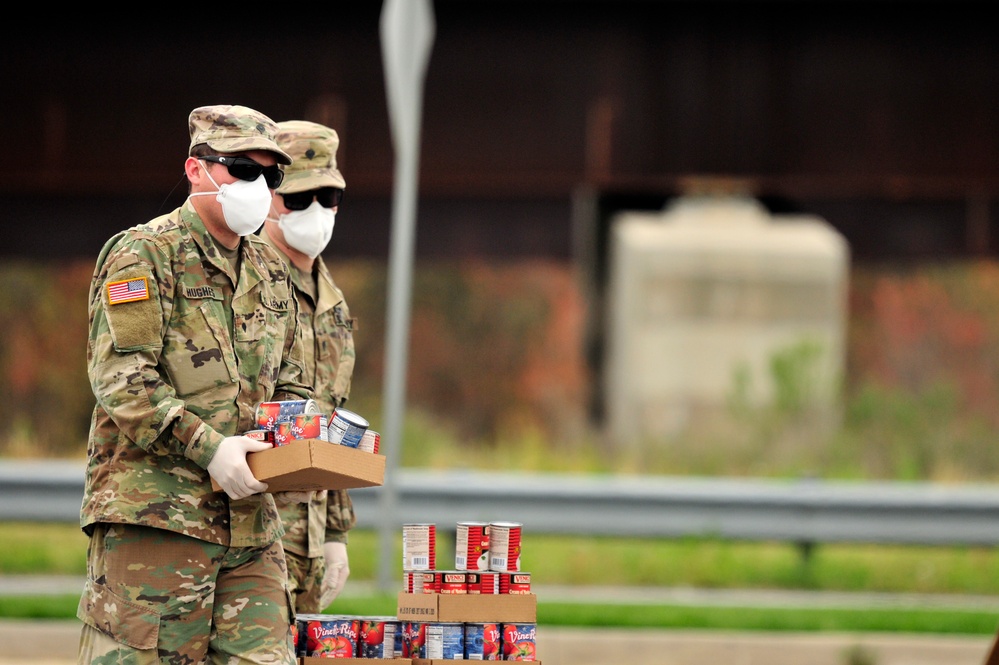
[(543, 121)]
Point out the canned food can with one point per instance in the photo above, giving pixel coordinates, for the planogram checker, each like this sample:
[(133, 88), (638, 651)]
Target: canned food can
[(482, 641), (268, 413), (421, 581), (471, 546), (489, 581), (445, 641), (283, 432), (307, 425), (261, 435), (376, 638), (473, 583), (414, 637), (453, 582), (332, 637), (515, 583), (519, 642), (370, 441), (346, 428), (419, 546), (504, 546)]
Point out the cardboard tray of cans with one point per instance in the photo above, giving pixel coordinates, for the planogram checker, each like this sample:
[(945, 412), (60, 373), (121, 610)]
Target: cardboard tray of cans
[(418, 661), (521, 607), (311, 660), (314, 464)]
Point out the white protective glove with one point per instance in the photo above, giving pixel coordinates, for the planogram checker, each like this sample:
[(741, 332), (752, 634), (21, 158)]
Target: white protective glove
[(337, 572), (230, 470)]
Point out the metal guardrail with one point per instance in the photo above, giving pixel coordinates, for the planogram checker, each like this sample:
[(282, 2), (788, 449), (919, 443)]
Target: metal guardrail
[(805, 512)]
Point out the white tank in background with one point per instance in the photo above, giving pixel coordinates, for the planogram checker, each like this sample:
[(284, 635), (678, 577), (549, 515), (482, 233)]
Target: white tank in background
[(705, 299)]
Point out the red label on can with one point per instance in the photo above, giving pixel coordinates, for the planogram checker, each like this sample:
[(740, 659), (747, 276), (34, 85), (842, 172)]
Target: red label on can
[(519, 642), (376, 638), (283, 434), (419, 547), (515, 583), (306, 425), (471, 546), (473, 583), (504, 546), (489, 581), (261, 435), (332, 638), (421, 581), (414, 640), (482, 641), (453, 582)]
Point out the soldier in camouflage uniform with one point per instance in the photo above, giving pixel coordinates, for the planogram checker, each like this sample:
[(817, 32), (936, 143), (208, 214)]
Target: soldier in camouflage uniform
[(192, 323), (306, 203)]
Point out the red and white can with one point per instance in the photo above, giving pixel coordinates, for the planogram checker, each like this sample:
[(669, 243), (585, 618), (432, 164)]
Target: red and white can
[(504, 546), (261, 435), (453, 582), (489, 581), (419, 546), (471, 546), (473, 582), (421, 581), (370, 441), (515, 583)]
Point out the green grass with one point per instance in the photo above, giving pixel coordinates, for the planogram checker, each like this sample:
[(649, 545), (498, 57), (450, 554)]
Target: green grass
[(690, 563)]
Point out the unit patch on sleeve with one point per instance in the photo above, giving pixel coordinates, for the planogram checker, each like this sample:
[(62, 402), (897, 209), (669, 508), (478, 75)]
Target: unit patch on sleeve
[(127, 290)]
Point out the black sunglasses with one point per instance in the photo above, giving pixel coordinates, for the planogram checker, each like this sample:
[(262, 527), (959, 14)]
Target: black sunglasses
[(328, 197), (245, 168)]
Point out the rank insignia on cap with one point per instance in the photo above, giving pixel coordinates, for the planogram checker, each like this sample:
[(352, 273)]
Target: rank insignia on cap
[(127, 290)]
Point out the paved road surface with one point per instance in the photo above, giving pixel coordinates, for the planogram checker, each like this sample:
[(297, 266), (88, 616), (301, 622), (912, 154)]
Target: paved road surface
[(54, 642)]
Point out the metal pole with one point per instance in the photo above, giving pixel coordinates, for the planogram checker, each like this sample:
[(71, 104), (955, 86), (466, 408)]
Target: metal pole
[(407, 33)]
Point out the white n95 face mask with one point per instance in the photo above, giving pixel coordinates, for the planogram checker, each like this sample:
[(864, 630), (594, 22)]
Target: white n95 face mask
[(245, 204), (309, 230)]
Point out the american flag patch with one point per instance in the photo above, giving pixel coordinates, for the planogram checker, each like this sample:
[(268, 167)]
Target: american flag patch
[(127, 290)]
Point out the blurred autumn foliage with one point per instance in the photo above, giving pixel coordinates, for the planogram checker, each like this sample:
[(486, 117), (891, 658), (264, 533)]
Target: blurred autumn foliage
[(497, 351)]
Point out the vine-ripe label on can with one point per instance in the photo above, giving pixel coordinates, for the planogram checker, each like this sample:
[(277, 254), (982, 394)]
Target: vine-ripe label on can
[(376, 638), (453, 582), (489, 581), (269, 413), (419, 546), (332, 637), (504, 546), (515, 583), (519, 641), (414, 639), (471, 546), (445, 641), (283, 432), (307, 425), (482, 641), (421, 581)]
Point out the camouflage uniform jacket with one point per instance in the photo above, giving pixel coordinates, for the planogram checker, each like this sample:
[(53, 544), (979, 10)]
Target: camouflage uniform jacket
[(328, 341), (175, 373)]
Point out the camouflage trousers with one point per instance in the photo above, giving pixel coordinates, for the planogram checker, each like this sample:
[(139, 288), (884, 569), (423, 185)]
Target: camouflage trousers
[(154, 596), (305, 577)]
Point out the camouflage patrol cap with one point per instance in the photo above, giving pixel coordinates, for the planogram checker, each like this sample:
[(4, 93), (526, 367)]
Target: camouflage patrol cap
[(313, 152), (228, 128)]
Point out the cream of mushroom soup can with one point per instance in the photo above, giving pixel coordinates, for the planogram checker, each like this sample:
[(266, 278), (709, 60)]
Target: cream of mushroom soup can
[(471, 546), (419, 546), (504, 546)]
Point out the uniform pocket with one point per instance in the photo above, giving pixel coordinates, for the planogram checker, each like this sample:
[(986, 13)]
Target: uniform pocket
[(128, 623), (194, 354)]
